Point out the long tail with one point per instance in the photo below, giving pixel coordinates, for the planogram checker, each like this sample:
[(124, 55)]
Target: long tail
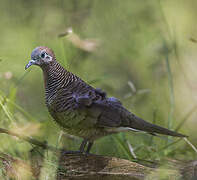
[(139, 124)]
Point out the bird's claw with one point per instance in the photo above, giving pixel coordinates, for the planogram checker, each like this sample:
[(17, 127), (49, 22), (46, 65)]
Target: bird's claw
[(64, 152)]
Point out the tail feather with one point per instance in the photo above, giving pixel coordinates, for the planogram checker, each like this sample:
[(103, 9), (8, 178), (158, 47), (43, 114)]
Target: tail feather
[(139, 124)]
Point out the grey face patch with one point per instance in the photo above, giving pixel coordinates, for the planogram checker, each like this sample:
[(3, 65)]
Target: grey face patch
[(40, 56), (35, 55)]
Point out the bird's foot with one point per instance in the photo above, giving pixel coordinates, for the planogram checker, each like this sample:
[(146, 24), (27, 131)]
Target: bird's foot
[(64, 152)]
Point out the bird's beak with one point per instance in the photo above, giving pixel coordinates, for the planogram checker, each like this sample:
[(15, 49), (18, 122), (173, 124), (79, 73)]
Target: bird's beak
[(31, 62)]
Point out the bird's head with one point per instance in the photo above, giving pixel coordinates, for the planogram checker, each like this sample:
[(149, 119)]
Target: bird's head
[(41, 56)]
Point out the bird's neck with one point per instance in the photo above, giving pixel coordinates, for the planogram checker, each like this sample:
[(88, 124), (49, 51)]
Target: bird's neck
[(55, 76), (52, 73)]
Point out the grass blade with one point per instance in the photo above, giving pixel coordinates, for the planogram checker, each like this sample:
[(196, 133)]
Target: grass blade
[(188, 142)]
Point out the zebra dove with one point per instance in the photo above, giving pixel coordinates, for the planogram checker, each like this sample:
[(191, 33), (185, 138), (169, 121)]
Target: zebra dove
[(82, 110)]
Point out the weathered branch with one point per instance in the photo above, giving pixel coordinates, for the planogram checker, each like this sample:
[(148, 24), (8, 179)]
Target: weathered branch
[(99, 167), (88, 167)]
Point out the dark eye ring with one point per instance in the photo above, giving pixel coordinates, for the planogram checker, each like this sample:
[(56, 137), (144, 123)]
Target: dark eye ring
[(42, 55)]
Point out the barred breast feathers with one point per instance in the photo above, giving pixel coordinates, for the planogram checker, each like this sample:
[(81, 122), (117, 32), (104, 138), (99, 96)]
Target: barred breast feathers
[(57, 78)]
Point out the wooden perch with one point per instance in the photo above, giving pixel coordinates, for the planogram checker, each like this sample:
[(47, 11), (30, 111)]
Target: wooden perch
[(85, 167), (88, 167)]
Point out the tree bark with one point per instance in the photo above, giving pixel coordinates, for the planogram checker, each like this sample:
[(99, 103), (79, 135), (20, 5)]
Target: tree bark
[(88, 167)]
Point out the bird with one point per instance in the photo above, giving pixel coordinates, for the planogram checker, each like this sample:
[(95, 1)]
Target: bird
[(82, 110)]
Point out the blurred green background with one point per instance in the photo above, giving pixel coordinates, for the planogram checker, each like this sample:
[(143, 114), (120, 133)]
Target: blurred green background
[(145, 56)]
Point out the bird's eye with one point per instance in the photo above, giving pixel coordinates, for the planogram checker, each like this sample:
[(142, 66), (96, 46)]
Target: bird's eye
[(42, 55)]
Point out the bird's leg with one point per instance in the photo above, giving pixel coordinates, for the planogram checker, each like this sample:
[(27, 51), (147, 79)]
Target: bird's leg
[(83, 145), (89, 147), (81, 149)]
